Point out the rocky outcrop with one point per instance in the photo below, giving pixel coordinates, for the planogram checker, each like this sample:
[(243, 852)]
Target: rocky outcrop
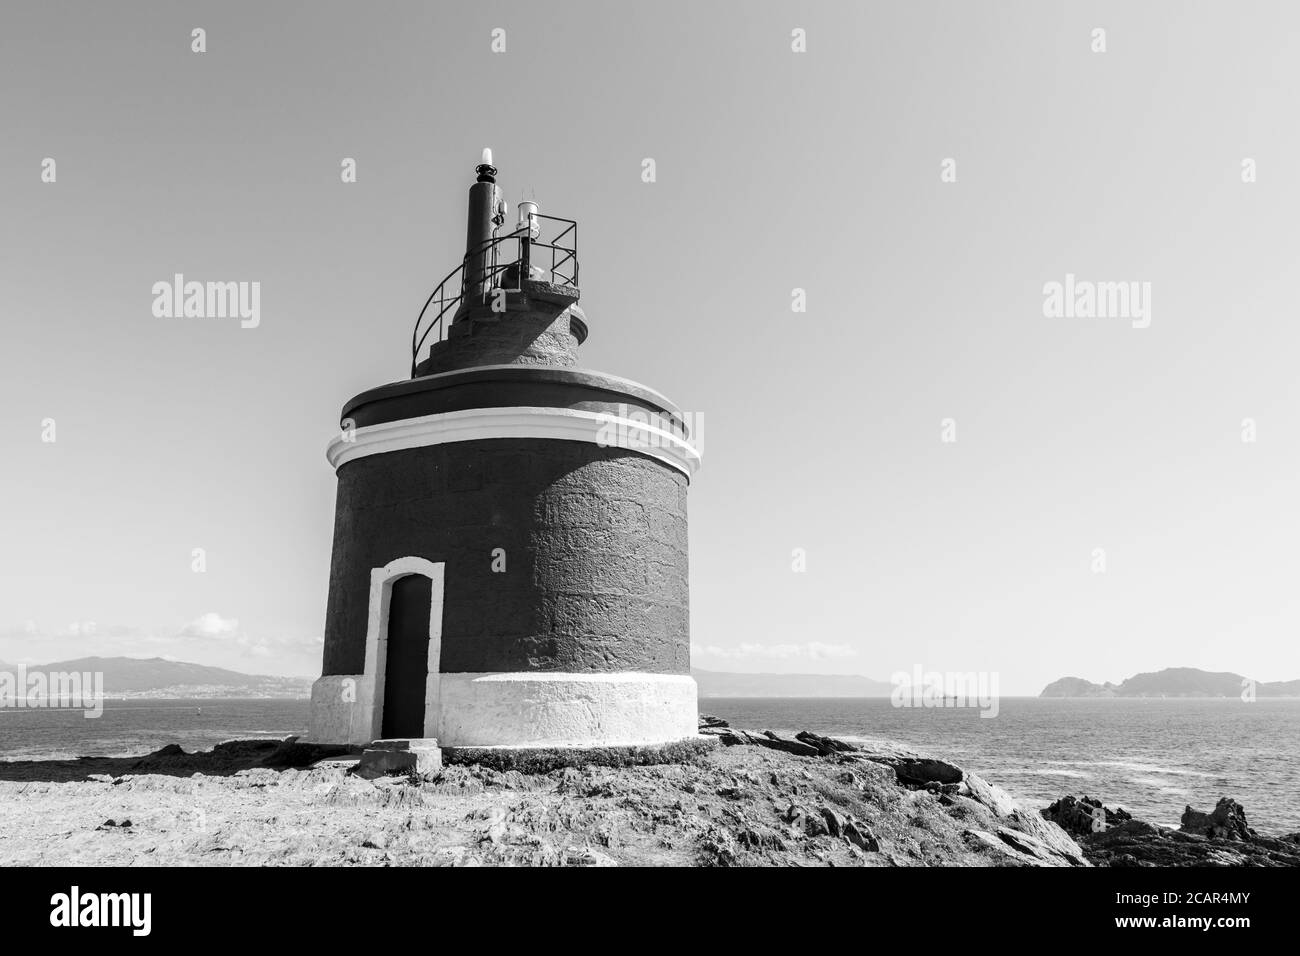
[(911, 767), (233, 756), (731, 737), (1227, 822), (992, 822), (1084, 816), (1112, 837)]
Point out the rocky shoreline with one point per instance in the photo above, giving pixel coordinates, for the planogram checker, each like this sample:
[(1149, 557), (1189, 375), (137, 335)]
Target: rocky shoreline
[(1112, 837), (1106, 836), (740, 798)]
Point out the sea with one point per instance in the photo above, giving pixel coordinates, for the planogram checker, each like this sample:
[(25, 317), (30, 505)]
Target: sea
[(1150, 756)]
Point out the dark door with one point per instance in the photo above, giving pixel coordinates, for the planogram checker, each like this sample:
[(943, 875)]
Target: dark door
[(408, 657)]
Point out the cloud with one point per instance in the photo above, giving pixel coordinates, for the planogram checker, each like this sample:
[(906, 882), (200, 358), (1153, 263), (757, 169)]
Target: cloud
[(227, 632), (210, 625), (213, 627), (809, 650)]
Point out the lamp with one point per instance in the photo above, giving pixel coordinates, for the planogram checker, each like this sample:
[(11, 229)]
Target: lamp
[(528, 219)]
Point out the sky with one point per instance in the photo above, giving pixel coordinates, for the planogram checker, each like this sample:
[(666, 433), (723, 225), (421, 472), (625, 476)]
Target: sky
[(1120, 494)]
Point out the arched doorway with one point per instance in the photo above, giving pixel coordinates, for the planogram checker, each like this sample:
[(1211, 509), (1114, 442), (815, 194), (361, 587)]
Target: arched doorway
[(406, 668), (404, 647)]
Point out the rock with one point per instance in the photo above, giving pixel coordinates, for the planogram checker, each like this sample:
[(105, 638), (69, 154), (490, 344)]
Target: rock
[(708, 721), (1049, 835), (386, 758), (1046, 841), (732, 737), (1219, 838), (787, 744), (1028, 837), (986, 840), (814, 825), (1020, 848), (1226, 822), (913, 768), (1084, 816), (801, 818), (1047, 851), (753, 839), (717, 848), (825, 745), (924, 770), (834, 822), (861, 837), (586, 856)]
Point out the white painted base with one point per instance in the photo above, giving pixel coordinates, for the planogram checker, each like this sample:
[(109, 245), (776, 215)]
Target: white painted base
[(529, 709), (541, 709), (343, 710)]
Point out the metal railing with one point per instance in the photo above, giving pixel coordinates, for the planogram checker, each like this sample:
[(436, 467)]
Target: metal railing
[(563, 271)]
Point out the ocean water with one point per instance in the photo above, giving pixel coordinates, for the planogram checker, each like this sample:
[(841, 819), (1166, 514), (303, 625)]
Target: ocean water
[(1152, 757), (130, 727)]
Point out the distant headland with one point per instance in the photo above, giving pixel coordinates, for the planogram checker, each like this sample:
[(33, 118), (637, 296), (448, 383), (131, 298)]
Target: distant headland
[(1174, 682), (157, 677)]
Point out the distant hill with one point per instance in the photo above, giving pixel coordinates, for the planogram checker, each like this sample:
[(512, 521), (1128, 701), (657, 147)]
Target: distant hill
[(156, 677), (1171, 682), (721, 684)]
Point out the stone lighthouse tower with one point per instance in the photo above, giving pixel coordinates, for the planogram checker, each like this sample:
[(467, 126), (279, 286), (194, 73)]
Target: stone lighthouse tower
[(509, 565)]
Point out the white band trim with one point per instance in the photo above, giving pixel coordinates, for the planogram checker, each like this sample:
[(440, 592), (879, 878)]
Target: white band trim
[(474, 424), (521, 709), (541, 709)]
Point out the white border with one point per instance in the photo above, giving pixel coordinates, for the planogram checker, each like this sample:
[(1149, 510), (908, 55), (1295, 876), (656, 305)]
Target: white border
[(557, 709), (523, 709), (381, 596), (523, 421), (360, 719)]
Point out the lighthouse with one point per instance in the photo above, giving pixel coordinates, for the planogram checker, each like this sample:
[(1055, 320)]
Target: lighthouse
[(509, 565)]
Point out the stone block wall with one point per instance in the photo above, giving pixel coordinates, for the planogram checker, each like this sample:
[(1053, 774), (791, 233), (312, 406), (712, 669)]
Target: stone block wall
[(595, 543)]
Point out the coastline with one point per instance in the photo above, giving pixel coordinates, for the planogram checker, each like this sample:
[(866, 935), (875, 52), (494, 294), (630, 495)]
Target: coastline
[(1150, 758), (755, 798)]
